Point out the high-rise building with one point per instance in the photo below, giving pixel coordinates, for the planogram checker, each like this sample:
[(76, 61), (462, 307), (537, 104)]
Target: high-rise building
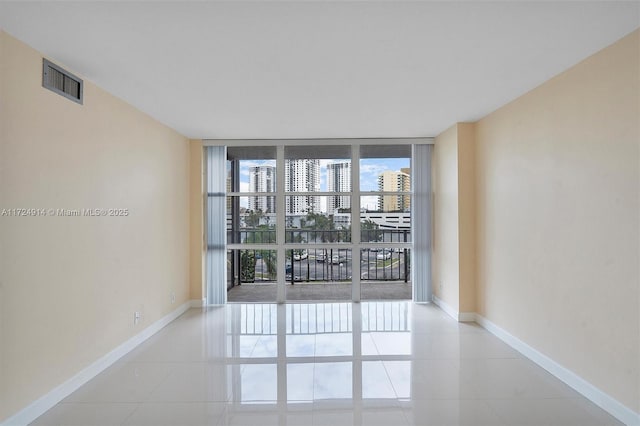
[(229, 189), (394, 182), (338, 180), (262, 179), (302, 176)]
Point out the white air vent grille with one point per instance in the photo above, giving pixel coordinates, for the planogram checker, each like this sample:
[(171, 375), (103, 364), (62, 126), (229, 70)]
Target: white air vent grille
[(62, 82)]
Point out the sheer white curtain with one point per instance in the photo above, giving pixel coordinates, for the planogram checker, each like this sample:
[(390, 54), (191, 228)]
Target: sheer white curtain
[(421, 223), (216, 215)]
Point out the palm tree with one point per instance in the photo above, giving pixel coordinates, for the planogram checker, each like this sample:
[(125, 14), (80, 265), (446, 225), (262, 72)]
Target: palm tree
[(325, 225), (252, 220), (370, 231)]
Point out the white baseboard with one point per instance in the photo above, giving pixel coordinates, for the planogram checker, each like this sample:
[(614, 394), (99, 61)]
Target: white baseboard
[(595, 395), (453, 313), (51, 398), (466, 316), (197, 303)]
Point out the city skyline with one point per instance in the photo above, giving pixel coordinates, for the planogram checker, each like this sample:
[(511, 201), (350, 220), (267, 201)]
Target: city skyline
[(370, 170)]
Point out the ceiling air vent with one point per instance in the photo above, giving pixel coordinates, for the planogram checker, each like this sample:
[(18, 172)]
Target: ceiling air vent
[(61, 81)]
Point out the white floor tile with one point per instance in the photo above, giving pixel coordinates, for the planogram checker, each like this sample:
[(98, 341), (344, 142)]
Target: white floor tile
[(195, 382), (368, 346), (511, 378), (342, 417), (258, 383), (384, 417), (411, 365), (350, 417), (86, 414), (448, 412), (122, 382), (334, 344), (547, 412), (392, 343), (428, 379), (469, 345), (375, 381), (266, 347), (300, 382), (266, 415), (301, 345), (176, 413), (332, 380)]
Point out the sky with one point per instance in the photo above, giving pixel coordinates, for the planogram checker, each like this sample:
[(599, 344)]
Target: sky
[(369, 171)]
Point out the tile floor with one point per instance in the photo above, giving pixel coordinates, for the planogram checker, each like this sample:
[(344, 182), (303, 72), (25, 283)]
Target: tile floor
[(372, 363)]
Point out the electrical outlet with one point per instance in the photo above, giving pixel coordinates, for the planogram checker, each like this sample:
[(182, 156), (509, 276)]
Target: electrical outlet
[(136, 317), (173, 297)]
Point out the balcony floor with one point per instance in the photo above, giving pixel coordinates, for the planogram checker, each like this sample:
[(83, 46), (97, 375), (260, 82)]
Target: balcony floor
[(320, 292)]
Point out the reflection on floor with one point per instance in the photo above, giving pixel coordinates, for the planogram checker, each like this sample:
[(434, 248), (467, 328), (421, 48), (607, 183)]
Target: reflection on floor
[(370, 363), (378, 290)]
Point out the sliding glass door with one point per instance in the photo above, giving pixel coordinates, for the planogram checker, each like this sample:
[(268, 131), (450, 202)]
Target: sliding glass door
[(318, 247), (313, 222)]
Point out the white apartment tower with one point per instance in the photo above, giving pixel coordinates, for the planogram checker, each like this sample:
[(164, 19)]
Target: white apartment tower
[(302, 176), (338, 180), (262, 179), (394, 182)]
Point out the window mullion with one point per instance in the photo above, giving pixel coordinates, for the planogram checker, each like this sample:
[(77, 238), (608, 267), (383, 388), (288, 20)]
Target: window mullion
[(280, 224), (355, 223)]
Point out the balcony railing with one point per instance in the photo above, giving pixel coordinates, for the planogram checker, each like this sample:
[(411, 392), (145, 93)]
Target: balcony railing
[(316, 265), (317, 236)]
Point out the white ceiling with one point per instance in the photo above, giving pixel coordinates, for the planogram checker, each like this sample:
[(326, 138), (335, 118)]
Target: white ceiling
[(305, 69)]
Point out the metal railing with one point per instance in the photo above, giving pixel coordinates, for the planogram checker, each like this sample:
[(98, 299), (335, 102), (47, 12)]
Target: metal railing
[(319, 265), (325, 265), (317, 236)]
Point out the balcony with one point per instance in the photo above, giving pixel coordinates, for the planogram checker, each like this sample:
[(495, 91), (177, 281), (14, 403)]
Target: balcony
[(319, 273)]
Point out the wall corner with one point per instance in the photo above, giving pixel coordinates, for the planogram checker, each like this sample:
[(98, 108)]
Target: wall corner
[(196, 219)]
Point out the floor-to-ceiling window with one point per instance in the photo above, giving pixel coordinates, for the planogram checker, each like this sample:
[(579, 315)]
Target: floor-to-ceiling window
[(319, 220), (251, 221), (385, 221), (319, 248)]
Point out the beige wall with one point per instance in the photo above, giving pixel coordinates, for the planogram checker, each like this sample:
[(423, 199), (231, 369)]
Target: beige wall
[(467, 216), (558, 219), (69, 285), (454, 259), (446, 253), (196, 199)]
